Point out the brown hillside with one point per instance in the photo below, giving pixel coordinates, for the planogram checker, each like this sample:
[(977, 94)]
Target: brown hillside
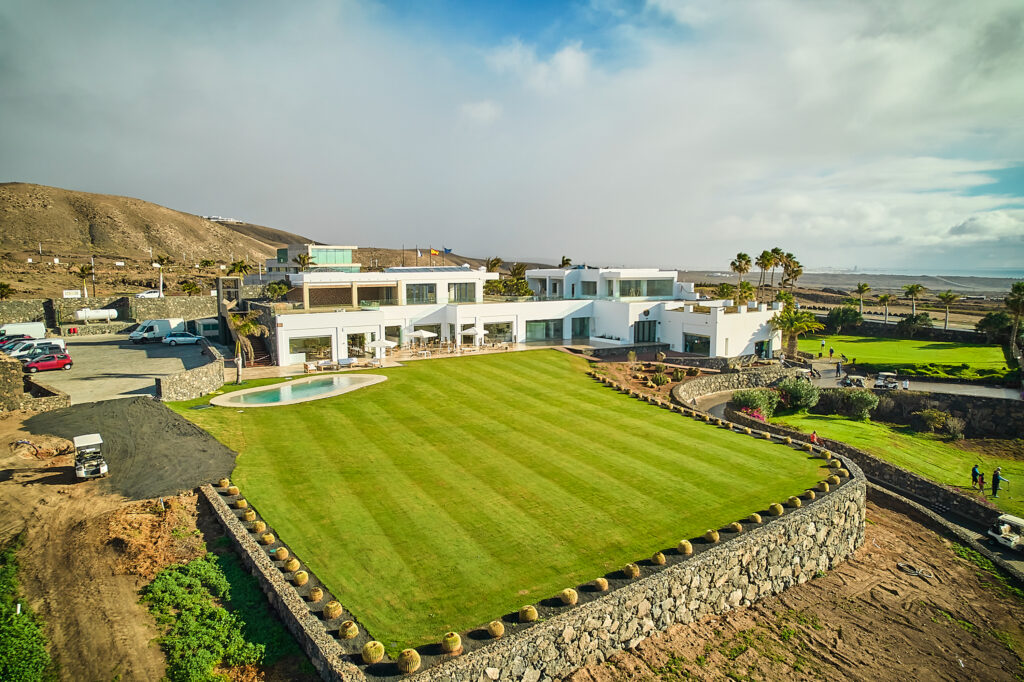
[(268, 235), (70, 224)]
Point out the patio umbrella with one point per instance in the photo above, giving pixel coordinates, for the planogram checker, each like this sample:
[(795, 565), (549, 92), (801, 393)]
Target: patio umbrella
[(422, 334), (379, 345)]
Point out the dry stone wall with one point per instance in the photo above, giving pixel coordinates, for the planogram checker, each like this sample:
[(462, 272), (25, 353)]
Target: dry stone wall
[(22, 310), (19, 392), (983, 417), (730, 381), (196, 382), (185, 307)]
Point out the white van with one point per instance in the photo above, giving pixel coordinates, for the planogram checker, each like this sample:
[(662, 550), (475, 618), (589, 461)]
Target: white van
[(155, 330), (36, 330), (28, 345)]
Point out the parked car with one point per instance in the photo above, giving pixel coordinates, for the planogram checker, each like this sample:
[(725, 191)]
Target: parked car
[(149, 293), (47, 362), (35, 352), (26, 346), (174, 338), (8, 344)]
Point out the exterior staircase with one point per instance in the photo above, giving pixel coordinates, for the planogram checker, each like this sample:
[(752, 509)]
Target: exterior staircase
[(260, 354)]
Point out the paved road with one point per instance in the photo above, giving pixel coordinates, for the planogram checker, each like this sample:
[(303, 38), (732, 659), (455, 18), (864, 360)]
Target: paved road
[(829, 380), (110, 366)]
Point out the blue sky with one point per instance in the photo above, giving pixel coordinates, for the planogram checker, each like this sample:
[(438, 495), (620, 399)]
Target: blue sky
[(661, 132)]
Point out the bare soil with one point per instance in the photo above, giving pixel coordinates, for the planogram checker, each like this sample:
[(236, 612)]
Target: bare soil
[(866, 620)]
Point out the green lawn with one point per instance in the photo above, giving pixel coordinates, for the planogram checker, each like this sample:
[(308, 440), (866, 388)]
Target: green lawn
[(910, 356), (461, 489), (924, 454)]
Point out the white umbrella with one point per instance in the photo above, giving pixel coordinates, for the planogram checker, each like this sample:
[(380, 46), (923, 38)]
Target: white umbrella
[(421, 334), (476, 331), (379, 345)]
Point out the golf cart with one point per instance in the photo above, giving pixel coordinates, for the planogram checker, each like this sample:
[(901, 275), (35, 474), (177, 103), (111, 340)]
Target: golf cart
[(852, 380), (1009, 530), (887, 380), (89, 462)]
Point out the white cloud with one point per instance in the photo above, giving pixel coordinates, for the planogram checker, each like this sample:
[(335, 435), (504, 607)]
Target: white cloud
[(566, 67), (483, 112)]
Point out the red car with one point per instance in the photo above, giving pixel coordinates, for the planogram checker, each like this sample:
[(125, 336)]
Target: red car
[(51, 361)]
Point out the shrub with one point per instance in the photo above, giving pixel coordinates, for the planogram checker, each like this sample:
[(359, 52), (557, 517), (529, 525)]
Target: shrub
[(332, 610), (677, 374), (911, 324), (798, 394), (660, 356), (736, 527), (711, 536), (527, 614), (408, 661), (223, 483), (249, 515), (685, 547), (929, 420), (233, 490), (775, 509), (316, 594), (258, 527), (291, 565), (763, 400), (281, 553), (659, 379), (373, 652), (23, 654), (793, 502), (496, 629), (831, 401), (754, 518), (843, 317), (348, 630), (568, 596), (631, 571), (955, 427), (692, 371), (658, 559), (860, 402), (268, 538), (600, 584), (300, 578)]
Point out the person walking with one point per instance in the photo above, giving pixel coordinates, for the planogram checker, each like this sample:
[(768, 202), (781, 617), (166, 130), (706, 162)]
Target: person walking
[(839, 369), (831, 351), (981, 484), (975, 472), (996, 480)]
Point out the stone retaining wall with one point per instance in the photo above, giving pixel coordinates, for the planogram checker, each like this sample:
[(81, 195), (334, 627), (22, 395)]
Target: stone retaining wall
[(185, 307), (39, 397), (872, 328), (21, 392), (730, 381), (984, 417), (915, 487), (195, 382), (22, 310)]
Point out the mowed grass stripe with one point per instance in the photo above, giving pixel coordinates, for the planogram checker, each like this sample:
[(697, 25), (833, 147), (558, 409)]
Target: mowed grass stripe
[(461, 489)]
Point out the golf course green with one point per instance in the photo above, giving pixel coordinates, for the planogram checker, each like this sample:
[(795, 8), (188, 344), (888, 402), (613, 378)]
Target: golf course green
[(461, 489)]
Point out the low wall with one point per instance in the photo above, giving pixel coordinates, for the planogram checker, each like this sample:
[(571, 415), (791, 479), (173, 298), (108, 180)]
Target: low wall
[(40, 397), (22, 310), (21, 392), (643, 349), (195, 382), (872, 328), (918, 488), (687, 391), (984, 417), (185, 307)]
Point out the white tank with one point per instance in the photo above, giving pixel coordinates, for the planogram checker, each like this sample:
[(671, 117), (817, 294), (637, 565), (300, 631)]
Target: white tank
[(88, 314)]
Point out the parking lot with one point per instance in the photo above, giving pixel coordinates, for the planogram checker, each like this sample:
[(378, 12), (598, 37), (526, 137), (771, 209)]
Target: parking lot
[(110, 366)]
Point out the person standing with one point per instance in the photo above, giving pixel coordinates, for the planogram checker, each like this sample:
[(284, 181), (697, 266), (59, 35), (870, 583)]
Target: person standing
[(839, 369), (996, 480), (975, 472), (831, 351), (822, 351), (981, 483)]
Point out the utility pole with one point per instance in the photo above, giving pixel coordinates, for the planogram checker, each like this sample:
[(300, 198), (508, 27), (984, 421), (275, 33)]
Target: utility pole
[(92, 261)]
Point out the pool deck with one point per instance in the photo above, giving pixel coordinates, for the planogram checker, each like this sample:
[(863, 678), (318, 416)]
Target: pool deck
[(357, 381)]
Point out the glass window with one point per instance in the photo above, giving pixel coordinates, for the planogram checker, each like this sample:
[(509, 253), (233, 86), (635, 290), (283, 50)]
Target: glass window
[(694, 343), (630, 287), (588, 288), (611, 288), (318, 347), (462, 292), (498, 332), (282, 255), (420, 293), (331, 256), (659, 287)]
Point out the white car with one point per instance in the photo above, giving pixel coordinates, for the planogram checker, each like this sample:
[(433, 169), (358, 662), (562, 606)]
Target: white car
[(175, 338), (149, 293)]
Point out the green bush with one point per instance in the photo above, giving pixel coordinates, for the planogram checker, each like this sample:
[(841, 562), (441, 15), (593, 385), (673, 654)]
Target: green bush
[(763, 399), (930, 420), (692, 371), (955, 427), (843, 317), (659, 379), (856, 403), (911, 324), (23, 655), (798, 394)]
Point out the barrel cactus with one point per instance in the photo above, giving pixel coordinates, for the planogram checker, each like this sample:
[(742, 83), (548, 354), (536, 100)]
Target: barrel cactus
[(281, 553), (823, 487), (268, 539), (711, 535), (833, 479), (843, 473), (451, 643), (373, 652), (775, 509), (787, 440), (754, 518), (348, 630), (300, 578), (747, 430), (527, 614), (658, 559), (332, 610), (808, 447), (496, 629), (601, 584), (834, 464), (241, 503), (249, 515), (631, 571), (408, 661), (793, 502), (223, 483), (809, 494), (685, 547), (232, 490), (736, 527), (767, 436), (291, 565), (569, 596), (316, 594), (258, 527)]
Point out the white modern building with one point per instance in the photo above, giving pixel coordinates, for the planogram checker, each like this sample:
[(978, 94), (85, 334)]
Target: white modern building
[(334, 314)]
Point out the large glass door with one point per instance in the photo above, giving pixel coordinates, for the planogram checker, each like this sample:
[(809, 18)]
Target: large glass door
[(645, 331)]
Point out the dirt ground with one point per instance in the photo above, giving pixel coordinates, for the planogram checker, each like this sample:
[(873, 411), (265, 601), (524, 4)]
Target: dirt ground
[(866, 620)]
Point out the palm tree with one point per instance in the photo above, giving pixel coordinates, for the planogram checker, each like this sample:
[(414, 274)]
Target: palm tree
[(163, 261), (190, 288), (84, 272), (913, 291), (744, 293), (725, 290), (517, 271), (1015, 304), (239, 267), (740, 265), (303, 260), (493, 264), (791, 270), (777, 259), (862, 288), (792, 323), (6, 291), (245, 325), (947, 298), (764, 262), (787, 300), (885, 299), (566, 262)]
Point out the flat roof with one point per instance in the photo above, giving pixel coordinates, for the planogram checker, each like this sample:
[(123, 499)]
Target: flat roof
[(430, 268)]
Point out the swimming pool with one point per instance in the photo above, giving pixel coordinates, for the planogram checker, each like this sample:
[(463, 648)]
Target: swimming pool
[(298, 391)]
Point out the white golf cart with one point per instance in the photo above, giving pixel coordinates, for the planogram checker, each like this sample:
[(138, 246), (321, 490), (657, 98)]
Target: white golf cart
[(1009, 530), (89, 462), (886, 380)]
